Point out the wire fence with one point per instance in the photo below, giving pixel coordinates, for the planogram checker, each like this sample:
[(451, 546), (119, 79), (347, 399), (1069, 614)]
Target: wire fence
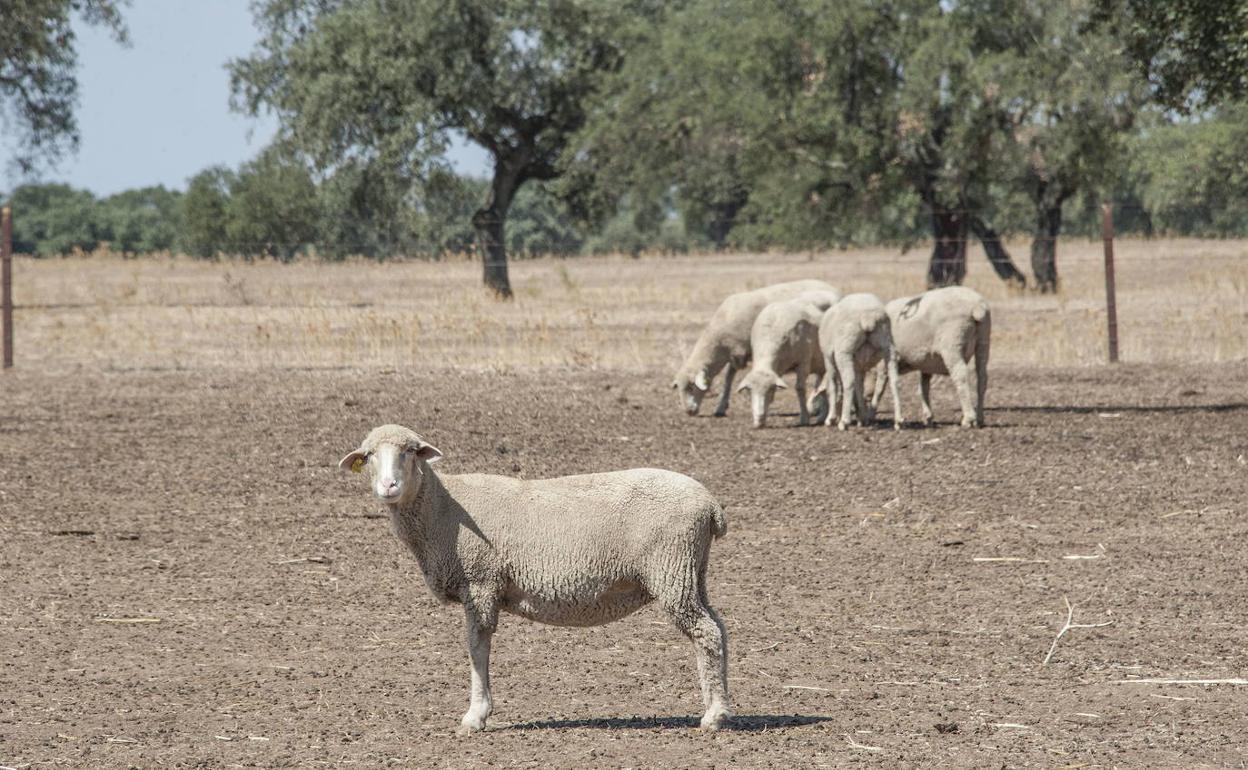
[(105, 294)]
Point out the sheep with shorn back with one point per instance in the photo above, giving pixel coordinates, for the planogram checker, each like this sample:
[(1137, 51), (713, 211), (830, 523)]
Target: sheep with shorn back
[(725, 342), (570, 551), (855, 335), (785, 338), (939, 332)]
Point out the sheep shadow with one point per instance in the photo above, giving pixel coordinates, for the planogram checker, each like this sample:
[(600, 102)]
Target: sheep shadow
[(1237, 406), (751, 723)]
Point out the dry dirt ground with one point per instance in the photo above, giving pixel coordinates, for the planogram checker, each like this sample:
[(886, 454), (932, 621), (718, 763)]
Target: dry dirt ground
[(187, 580)]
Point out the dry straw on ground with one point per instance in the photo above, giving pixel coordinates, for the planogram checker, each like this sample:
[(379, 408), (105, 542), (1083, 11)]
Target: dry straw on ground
[(1179, 301)]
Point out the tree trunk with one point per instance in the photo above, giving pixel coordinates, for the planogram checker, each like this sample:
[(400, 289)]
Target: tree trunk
[(490, 222), (1044, 247), (723, 218), (997, 255), (948, 263)]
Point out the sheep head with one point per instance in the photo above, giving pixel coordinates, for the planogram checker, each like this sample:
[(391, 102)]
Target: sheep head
[(762, 385), (692, 389), (395, 457)]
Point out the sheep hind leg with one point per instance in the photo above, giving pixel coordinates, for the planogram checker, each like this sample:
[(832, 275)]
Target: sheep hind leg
[(960, 373), (925, 397), (703, 626)]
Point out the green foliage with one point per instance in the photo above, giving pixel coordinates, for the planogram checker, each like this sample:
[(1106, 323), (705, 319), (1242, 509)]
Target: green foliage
[(52, 219), (203, 210), (272, 207), (539, 224), (38, 59), (140, 221), (379, 85), (1193, 176), (1193, 52), (641, 126)]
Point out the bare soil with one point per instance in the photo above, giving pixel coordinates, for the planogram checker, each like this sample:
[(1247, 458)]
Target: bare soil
[(187, 580)]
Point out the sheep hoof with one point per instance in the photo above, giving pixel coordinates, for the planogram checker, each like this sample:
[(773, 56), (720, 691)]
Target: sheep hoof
[(897, 426), (714, 720), (721, 412), (470, 724), (842, 425)]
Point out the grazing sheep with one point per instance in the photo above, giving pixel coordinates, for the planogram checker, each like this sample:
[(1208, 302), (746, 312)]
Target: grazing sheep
[(571, 551), (726, 342), (938, 332), (855, 335), (785, 339)]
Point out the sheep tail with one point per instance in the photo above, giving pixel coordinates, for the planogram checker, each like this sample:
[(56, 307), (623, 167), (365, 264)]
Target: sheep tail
[(719, 522), (873, 320)]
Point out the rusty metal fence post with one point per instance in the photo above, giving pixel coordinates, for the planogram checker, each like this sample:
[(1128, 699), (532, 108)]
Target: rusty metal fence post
[(1111, 299), (6, 281)]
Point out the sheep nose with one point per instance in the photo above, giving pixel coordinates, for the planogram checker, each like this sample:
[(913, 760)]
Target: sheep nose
[(387, 486)]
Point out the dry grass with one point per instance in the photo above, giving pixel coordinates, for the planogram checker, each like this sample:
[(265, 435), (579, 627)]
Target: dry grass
[(1179, 301)]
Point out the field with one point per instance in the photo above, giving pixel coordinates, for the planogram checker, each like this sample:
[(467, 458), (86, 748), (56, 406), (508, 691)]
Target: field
[(188, 581)]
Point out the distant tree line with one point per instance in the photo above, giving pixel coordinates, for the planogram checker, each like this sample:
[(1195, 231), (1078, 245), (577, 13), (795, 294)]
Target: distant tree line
[(634, 125), (1181, 177)]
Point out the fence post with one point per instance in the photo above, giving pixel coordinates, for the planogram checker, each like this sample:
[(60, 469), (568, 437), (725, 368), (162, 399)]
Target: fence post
[(1111, 300), (6, 281)]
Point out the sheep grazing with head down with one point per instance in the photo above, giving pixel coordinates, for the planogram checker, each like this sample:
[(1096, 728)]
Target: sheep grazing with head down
[(725, 342), (570, 551), (855, 335), (939, 332), (785, 339)]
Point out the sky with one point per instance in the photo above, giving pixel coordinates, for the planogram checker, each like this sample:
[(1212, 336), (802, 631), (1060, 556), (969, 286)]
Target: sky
[(158, 111)]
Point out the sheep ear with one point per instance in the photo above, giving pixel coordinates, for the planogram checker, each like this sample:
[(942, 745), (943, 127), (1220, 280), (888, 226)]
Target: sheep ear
[(353, 462), (701, 382), (429, 453)]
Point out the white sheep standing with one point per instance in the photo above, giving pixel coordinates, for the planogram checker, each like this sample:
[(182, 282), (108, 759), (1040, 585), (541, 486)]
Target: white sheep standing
[(855, 335), (725, 342), (785, 338), (570, 551), (939, 332)]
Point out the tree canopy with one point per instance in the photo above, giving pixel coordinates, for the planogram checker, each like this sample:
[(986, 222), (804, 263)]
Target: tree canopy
[(1193, 52), (384, 85), (38, 80)]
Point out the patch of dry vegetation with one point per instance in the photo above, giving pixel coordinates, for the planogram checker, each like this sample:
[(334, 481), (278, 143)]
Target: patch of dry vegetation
[(1179, 301)]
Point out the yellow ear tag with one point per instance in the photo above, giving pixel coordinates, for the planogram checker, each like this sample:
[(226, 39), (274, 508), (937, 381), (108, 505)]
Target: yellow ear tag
[(357, 465)]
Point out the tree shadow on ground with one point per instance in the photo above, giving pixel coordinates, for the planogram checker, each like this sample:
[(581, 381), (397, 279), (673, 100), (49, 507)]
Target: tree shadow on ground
[(745, 723), (1111, 408)]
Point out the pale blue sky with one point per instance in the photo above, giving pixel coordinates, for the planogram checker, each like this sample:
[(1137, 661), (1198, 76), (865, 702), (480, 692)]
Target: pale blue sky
[(158, 111)]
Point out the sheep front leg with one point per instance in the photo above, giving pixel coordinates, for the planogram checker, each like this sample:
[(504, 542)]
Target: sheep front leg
[(721, 409), (480, 634)]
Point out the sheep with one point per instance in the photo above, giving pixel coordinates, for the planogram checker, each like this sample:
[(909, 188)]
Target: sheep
[(855, 335), (785, 338), (571, 551), (725, 342), (938, 332)]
